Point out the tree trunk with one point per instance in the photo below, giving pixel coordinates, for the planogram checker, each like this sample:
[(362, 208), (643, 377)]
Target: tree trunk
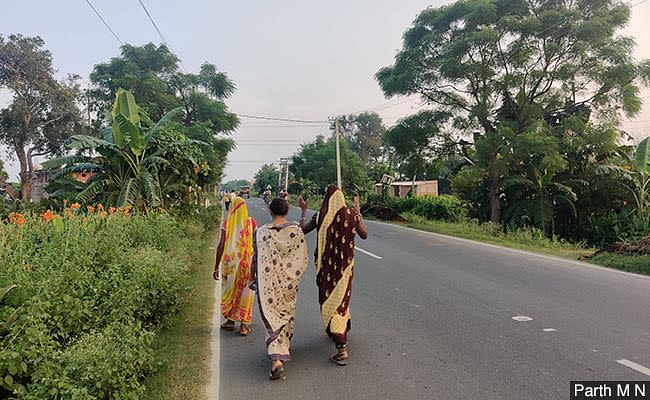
[(25, 173), (495, 199)]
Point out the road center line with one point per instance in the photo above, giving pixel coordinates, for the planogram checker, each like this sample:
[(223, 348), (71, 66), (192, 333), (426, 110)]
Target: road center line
[(637, 367), (369, 254)]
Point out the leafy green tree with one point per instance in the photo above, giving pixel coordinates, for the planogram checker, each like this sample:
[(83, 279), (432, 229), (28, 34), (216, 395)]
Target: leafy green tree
[(316, 162), (303, 187), (44, 111), (479, 59), (364, 134), (267, 176), (152, 73), (417, 141), (532, 187)]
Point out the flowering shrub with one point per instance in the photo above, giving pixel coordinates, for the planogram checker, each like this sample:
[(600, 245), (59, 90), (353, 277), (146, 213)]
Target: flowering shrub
[(89, 290)]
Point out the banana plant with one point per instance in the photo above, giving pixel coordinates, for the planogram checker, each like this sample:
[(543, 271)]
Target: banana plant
[(127, 160), (633, 179)]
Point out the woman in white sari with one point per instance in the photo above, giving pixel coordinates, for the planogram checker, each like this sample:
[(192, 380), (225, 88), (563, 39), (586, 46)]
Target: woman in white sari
[(280, 261)]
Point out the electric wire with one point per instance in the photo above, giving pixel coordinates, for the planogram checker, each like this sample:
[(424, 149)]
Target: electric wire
[(104, 22)]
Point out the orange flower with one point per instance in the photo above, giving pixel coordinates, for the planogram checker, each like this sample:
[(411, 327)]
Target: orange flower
[(100, 207), (91, 209), (74, 206), (111, 210), (48, 216), (17, 219)]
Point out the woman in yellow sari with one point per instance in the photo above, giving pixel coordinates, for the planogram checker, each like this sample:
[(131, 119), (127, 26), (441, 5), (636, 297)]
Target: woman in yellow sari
[(234, 255)]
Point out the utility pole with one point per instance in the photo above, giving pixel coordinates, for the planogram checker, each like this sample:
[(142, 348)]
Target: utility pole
[(88, 105), (284, 162), (338, 156)]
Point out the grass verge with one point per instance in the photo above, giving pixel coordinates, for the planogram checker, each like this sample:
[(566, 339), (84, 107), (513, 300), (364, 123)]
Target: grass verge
[(185, 344), (528, 240), (637, 264)]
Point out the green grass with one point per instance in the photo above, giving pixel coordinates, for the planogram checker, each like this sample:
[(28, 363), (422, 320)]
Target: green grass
[(185, 344), (637, 264), (528, 240)]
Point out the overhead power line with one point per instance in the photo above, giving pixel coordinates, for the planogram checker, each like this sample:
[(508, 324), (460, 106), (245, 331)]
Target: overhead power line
[(302, 121), (104, 22), (162, 37)]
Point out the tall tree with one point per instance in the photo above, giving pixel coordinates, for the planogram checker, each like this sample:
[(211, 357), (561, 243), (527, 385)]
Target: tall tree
[(418, 140), (531, 59), (316, 162), (43, 113), (267, 176), (364, 134), (152, 73)]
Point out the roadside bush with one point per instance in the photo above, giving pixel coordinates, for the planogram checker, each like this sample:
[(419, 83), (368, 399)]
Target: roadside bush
[(625, 226), (443, 208), (92, 289)]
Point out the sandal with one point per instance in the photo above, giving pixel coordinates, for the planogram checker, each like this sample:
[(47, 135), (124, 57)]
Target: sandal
[(244, 331), (228, 326), (339, 361), (277, 374)]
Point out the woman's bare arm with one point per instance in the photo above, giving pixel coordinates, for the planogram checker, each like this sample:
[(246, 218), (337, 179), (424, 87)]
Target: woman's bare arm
[(362, 230), (217, 261), (304, 225)]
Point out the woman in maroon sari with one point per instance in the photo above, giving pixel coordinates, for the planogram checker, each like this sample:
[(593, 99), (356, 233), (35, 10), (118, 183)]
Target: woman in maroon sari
[(336, 225)]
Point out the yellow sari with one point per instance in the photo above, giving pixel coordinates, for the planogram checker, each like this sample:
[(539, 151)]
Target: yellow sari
[(236, 297)]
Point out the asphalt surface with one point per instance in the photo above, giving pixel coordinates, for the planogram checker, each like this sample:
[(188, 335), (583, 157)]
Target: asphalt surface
[(433, 319)]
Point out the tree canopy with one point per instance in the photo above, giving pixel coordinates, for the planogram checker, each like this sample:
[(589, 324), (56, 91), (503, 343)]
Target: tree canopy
[(316, 162), (267, 176), (152, 73), (500, 62), (363, 133), (44, 111)]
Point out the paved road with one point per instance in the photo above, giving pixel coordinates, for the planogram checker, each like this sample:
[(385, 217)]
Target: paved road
[(433, 319)]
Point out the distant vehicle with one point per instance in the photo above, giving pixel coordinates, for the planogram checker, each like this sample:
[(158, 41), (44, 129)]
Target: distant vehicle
[(245, 192)]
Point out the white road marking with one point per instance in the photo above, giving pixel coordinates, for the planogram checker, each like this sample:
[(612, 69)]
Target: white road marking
[(637, 367), (522, 318), (549, 330), (370, 254)]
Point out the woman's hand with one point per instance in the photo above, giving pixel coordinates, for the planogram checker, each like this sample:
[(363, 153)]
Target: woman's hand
[(302, 203), (357, 204)]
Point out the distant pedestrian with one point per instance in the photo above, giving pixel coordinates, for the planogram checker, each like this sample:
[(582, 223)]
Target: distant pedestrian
[(233, 260), (226, 200), (336, 225), (281, 261)]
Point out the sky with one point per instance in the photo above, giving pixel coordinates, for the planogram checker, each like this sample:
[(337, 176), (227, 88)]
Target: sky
[(295, 59)]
